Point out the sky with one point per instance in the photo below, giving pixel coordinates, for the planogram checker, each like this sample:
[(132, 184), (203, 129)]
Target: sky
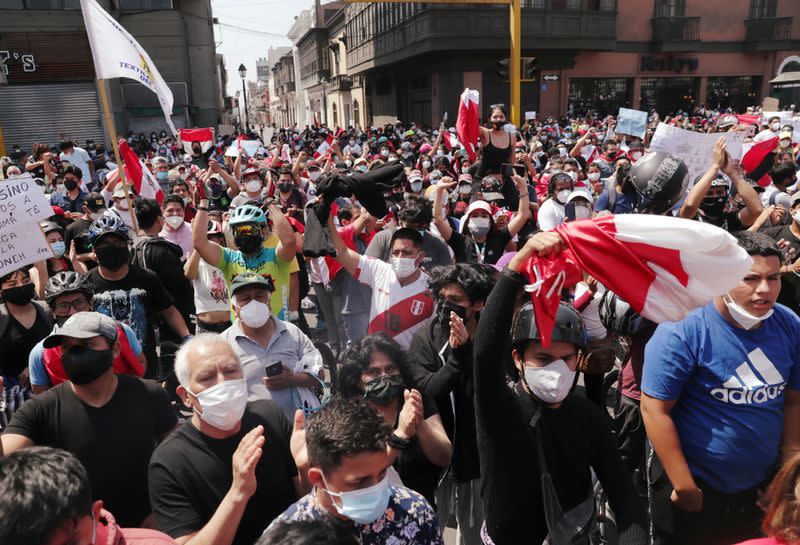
[(261, 24)]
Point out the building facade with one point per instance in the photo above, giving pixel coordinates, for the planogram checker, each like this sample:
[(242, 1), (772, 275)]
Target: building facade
[(591, 55), (52, 92)]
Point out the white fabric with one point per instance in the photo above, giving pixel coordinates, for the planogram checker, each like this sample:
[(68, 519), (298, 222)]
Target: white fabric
[(80, 158), (551, 215), (210, 289), (591, 313)]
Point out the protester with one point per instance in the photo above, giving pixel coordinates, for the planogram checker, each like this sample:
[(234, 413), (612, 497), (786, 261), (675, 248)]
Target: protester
[(176, 230)]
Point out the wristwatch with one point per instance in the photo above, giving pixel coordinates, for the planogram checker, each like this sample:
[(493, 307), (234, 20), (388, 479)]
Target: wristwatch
[(398, 442)]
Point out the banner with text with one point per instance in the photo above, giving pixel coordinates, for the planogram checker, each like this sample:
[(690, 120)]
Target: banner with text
[(22, 205)]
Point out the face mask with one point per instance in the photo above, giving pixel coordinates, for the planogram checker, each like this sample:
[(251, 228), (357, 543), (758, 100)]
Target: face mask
[(392, 159), (555, 170), (713, 206), (775, 126), (562, 152), (84, 365), (426, 164), (384, 153), (174, 221), (71, 185), (464, 170), (186, 201), (404, 266), (573, 175), (285, 187), (361, 168), (352, 143), (416, 187), (542, 139), (162, 175), (223, 404), (313, 175), (249, 244), (550, 383), (593, 176), (254, 314), (636, 155), (384, 389), (252, 186), (363, 506), (58, 248), (464, 189), (796, 217), (19, 295), (434, 181), (562, 195), (783, 143), (94, 216), (741, 316), (112, 257), (349, 163), (121, 205), (497, 125), (478, 227), (444, 310)]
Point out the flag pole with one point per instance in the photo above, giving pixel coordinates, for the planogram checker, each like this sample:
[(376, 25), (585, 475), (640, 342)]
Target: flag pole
[(101, 85)]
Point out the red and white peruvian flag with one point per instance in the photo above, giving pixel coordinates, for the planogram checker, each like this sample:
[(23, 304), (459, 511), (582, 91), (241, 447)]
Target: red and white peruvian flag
[(468, 122), (756, 155), (142, 180), (450, 140), (662, 266), (325, 147), (204, 136)]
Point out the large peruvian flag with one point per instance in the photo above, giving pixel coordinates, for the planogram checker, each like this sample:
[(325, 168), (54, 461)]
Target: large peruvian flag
[(662, 266), (204, 136), (468, 122), (450, 141), (143, 182), (326, 145), (756, 155)]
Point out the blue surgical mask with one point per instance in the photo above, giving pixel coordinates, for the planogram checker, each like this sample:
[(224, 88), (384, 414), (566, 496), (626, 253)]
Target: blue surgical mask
[(58, 248), (162, 175), (363, 506)]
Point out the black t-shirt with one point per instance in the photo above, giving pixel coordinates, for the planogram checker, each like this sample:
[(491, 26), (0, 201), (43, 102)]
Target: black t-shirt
[(414, 468), (492, 248), (134, 300), (113, 442), (790, 283), (17, 342), (191, 473), (78, 232)]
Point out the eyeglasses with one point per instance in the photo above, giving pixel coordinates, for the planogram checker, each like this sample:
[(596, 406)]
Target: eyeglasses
[(79, 305)]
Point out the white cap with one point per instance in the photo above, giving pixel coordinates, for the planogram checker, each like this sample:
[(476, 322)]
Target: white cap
[(580, 194), (475, 205)]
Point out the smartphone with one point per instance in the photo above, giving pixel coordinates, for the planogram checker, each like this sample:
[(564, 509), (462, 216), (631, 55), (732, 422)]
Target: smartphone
[(274, 369), (509, 169), (569, 211)]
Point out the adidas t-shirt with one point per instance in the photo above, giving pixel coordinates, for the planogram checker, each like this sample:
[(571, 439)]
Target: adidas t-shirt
[(729, 383), (397, 310)]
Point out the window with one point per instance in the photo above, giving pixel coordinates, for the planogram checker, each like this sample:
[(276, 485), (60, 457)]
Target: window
[(604, 96), (40, 4), (735, 92), (670, 8), (760, 9), (356, 114), (335, 116), (573, 4), (668, 95)]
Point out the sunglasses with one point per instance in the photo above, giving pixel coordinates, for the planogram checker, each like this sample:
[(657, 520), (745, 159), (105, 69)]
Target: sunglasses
[(248, 230)]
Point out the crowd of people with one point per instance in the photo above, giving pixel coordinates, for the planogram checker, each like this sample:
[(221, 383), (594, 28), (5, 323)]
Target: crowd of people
[(329, 340)]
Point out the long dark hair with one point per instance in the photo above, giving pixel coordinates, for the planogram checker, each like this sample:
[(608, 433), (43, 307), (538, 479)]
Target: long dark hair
[(358, 357)]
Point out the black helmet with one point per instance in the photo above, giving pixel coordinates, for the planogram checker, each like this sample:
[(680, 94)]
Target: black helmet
[(660, 178), (64, 283), (50, 226), (568, 327), (618, 316)]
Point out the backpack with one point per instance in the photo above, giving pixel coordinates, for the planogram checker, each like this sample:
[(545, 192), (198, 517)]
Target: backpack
[(144, 246)]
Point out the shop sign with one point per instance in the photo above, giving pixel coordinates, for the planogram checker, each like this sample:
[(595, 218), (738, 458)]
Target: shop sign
[(11, 60), (649, 63)]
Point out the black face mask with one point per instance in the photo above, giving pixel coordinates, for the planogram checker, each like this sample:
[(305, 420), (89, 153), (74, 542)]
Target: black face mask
[(84, 365), (445, 308), (713, 206), (249, 244), (497, 125), (19, 295), (384, 389), (112, 257), (285, 187), (71, 185)]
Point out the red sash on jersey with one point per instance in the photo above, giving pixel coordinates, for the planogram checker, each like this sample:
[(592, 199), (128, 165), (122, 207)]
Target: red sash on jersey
[(125, 364), (403, 315)]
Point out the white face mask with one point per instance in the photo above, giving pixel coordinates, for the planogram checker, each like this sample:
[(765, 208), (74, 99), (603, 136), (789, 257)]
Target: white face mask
[(775, 126), (593, 176), (555, 170), (573, 175), (785, 143), (252, 186), (550, 383), (313, 175), (562, 195), (385, 153), (478, 227), (254, 314), (174, 221), (223, 404), (404, 266), (465, 189), (741, 316), (796, 217), (426, 164), (186, 201), (636, 155), (582, 211), (562, 151)]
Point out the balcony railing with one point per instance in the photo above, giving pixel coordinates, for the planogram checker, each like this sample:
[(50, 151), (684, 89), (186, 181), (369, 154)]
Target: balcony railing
[(768, 29), (341, 82), (676, 29)]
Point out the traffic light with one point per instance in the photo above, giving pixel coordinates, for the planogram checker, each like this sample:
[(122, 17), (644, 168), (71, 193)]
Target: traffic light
[(502, 69), (529, 68)]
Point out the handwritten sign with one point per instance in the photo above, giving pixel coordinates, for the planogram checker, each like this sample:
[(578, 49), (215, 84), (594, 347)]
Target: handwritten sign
[(250, 148), (22, 244), (21, 200), (696, 149), (785, 117), (632, 122)]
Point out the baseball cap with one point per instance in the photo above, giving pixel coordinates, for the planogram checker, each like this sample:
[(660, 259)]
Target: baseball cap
[(248, 279), (250, 171), (579, 194), (785, 134), (414, 175), (94, 201), (727, 121), (83, 325), (794, 199), (465, 178)]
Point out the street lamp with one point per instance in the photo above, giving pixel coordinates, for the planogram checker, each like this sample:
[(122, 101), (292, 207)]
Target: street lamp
[(243, 74)]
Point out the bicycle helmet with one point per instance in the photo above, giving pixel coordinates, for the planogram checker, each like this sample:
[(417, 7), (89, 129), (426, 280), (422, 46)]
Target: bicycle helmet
[(568, 327), (661, 179), (247, 213), (50, 226), (618, 316), (214, 228), (64, 283), (107, 225)]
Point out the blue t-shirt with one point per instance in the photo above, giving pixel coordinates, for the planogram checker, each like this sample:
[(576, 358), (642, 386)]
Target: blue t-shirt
[(729, 385), (623, 205)]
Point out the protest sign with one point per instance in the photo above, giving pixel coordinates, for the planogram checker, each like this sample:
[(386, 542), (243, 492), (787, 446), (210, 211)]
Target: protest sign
[(695, 148), (22, 200), (796, 132), (530, 116), (785, 117), (632, 122), (22, 244), (250, 148), (769, 104)]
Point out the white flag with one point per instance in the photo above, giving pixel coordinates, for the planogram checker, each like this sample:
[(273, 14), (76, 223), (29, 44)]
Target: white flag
[(118, 55)]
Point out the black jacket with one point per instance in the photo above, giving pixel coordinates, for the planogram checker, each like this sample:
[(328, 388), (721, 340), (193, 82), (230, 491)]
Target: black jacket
[(439, 371), (576, 437)]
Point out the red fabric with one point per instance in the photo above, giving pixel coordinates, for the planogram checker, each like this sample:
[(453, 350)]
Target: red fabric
[(133, 170), (757, 153), (403, 315), (450, 140), (200, 135), (468, 124), (110, 533), (348, 235), (324, 147), (749, 119), (127, 363)]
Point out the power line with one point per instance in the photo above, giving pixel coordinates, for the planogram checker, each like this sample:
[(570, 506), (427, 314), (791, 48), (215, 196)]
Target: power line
[(253, 31)]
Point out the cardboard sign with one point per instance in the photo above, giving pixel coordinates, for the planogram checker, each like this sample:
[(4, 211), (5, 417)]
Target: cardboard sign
[(785, 117), (22, 244), (770, 104), (530, 115), (21, 201), (696, 149), (632, 122)]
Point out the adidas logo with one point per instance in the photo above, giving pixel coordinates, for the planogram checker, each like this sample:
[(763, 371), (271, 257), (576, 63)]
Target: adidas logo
[(754, 381)]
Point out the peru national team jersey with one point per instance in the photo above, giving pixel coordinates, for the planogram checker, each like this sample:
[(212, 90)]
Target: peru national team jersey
[(399, 311)]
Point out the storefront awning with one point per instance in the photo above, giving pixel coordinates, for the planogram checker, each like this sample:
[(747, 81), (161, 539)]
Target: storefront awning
[(787, 77)]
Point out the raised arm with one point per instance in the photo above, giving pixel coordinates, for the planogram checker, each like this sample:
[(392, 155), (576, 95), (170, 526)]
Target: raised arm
[(700, 189), (439, 218), (210, 251), (346, 257), (287, 244), (523, 213), (752, 203)]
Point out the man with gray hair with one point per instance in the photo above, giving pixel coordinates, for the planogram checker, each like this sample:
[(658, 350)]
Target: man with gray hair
[(223, 475)]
